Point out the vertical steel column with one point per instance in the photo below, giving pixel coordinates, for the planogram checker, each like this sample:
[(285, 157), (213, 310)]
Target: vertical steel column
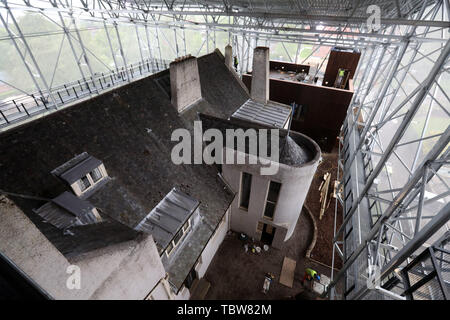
[(13, 39), (83, 50), (122, 53), (25, 43), (177, 52), (375, 67), (158, 43), (67, 33), (150, 53), (139, 42), (113, 54)]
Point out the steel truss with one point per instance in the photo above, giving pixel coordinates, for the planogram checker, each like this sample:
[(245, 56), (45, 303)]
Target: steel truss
[(161, 28), (394, 159)]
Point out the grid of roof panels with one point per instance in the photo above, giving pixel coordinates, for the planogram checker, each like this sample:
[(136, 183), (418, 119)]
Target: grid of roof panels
[(270, 114), (164, 221)]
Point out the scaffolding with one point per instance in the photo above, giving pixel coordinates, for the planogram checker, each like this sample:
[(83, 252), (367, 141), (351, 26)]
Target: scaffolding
[(393, 148)]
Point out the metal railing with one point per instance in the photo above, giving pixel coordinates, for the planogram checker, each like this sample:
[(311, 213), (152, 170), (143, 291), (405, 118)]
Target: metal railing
[(20, 108)]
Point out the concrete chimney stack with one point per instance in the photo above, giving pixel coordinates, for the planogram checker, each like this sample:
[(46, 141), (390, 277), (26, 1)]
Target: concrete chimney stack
[(229, 56), (260, 75), (184, 82)]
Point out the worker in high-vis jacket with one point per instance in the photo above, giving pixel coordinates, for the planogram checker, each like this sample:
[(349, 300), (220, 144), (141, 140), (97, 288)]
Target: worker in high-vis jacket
[(311, 274)]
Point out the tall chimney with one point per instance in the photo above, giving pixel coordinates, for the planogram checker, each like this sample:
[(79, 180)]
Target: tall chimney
[(229, 56), (260, 75), (184, 82)]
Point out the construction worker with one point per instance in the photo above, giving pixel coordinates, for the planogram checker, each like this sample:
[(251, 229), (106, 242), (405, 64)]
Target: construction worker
[(310, 275), (340, 78), (235, 63)]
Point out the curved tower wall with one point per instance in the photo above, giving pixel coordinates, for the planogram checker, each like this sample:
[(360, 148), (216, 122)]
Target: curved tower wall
[(295, 182)]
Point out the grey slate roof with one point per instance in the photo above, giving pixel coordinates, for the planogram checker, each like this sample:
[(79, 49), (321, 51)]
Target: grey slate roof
[(270, 114), (128, 129)]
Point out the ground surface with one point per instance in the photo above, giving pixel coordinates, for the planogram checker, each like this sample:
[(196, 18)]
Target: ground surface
[(236, 274), (322, 251)]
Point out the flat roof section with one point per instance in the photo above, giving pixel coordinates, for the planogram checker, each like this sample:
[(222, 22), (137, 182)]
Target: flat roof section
[(270, 114)]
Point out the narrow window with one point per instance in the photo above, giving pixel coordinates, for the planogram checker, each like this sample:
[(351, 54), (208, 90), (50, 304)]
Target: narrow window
[(177, 237), (272, 198), (246, 183), (169, 248), (186, 225), (259, 227), (96, 174), (84, 183)]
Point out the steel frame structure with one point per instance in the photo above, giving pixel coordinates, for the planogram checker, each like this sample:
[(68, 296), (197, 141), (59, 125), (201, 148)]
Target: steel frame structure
[(389, 215), (393, 149)]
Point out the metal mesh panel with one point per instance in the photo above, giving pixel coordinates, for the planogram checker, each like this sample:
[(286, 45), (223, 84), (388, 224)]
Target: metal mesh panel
[(419, 271), (429, 291), (443, 261), (427, 276)]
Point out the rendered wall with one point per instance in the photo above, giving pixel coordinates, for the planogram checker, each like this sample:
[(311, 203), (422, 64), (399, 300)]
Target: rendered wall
[(295, 183), (125, 271), (212, 246)]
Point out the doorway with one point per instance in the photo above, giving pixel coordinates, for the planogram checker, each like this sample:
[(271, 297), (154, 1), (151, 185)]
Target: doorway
[(191, 277), (268, 233)]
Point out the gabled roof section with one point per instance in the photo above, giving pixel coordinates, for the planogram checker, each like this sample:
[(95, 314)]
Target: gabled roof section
[(129, 129), (164, 221), (57, 216), (67, 210), (77, 167), (81, 209), (270, 114)]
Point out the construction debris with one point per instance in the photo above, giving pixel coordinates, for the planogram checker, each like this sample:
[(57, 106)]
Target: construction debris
[(335, 189), (324, 186)]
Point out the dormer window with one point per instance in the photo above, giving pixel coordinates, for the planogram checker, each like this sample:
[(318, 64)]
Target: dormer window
[(82, 173), (170, 221), (67, 210)]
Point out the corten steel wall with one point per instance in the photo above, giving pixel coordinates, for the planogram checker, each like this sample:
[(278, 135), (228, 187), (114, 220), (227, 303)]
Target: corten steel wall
[(325, 108), (286, 66), (295, 182), (339, 59)]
